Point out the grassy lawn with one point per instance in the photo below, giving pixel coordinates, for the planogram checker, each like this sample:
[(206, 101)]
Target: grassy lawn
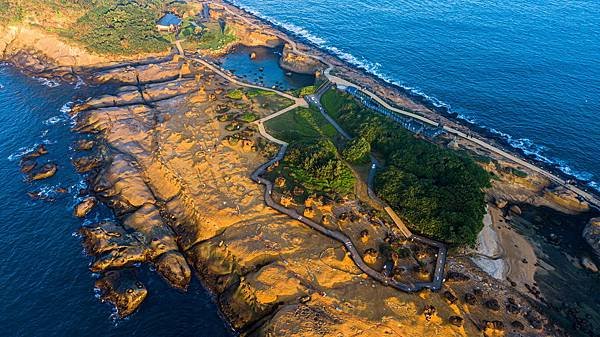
[(213, 38), (301, 126)]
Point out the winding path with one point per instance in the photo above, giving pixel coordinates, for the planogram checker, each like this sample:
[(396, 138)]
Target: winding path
[(590, 198)]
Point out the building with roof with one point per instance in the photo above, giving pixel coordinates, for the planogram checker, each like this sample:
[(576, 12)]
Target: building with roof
[(169, 23)]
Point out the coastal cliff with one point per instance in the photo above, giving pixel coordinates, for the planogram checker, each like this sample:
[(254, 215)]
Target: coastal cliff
[(180, 187)]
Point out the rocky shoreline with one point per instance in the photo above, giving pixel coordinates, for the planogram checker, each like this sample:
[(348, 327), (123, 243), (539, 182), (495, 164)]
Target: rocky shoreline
[(178, 181)]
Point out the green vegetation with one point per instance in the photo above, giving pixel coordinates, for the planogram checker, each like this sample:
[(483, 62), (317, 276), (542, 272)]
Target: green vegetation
[(438, 191), (236, 94), (357, 150), (304, 91), (252, 93), (214, 37), (518, 173), (301, 125), (248, 117), (10, 12), (312, 160), (318, 168), (120, 27)]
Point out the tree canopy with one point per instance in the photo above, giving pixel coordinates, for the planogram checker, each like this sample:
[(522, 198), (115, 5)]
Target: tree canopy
[(438, 191), (121, 27)]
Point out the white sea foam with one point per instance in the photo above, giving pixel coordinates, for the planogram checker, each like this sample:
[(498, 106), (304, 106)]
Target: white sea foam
[(54, 120), (526, 145), (21, 152), (1, 86), (79, 83), (47, 82)]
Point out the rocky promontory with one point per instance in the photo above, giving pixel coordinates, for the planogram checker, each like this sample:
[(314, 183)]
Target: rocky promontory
[(591, 234)]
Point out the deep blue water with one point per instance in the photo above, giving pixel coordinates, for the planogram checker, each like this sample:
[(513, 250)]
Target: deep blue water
[(263, 70), (46, 288), (528, 70)]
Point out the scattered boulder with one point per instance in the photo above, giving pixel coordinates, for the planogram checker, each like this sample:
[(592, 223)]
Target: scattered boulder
[(517, 325), (46, 171), (501, 203), (450, 297), (516, 210), (470, 299), (84, 207), (492, 304), (454, 276), (122, 290), (429, 311)]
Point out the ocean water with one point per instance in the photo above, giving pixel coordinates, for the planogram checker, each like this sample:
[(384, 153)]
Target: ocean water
[(264, 70), (527, 70), (46, 288)]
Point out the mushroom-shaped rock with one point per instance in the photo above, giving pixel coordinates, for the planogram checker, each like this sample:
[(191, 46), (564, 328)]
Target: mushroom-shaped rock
[(122, 290), (84, 207), (456, 320)]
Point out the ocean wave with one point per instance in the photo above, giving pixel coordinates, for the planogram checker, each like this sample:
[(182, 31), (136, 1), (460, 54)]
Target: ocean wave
[(67, 107), (1, 86), (524, 144), (47, 82), (54, 120), (79, 83), (22, 151)]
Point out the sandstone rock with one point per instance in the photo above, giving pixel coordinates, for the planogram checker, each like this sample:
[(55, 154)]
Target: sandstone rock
[(492, 304), (112, 247), (501, 203), (84, 207), (456, 320), (591, 234), (86, 164), (84, 144), (173, 267), (516, 210), (588, 264), (122, 290), (39, 151), (46, 171), (27, 165), (297, 63)]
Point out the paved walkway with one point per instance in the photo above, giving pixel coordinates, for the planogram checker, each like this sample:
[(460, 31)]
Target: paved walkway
[(593, 200)]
